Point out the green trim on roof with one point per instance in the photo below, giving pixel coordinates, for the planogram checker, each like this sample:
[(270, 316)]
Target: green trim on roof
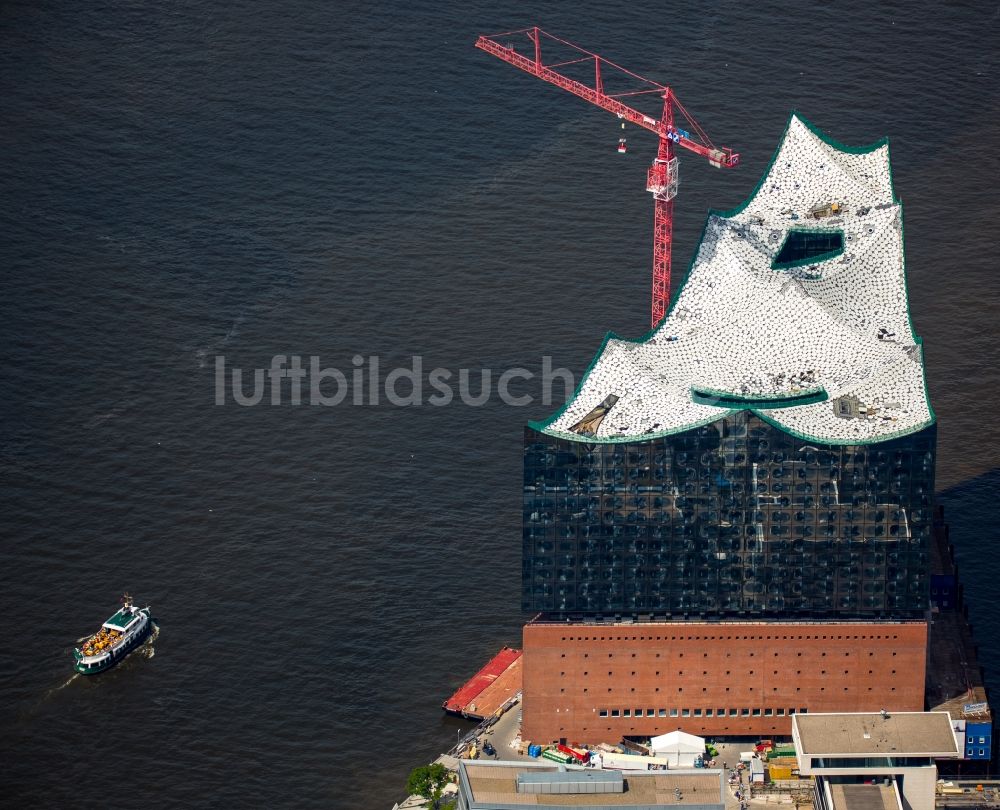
[(919, 342), (728, 399), (852, 442), (631, 437), (645, 437), (543, 426)]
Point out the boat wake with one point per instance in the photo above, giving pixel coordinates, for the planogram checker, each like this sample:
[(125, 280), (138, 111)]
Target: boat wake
[(69, 680), (147, 648), (49, 693)]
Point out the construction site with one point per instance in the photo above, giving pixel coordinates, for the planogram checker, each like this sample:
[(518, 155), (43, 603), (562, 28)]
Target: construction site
[(729, 530)]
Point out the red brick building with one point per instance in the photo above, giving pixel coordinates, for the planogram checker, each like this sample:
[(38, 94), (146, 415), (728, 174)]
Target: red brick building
[(590, 682)]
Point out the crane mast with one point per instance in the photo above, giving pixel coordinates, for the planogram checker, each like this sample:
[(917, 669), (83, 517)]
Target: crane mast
[(662, 177)]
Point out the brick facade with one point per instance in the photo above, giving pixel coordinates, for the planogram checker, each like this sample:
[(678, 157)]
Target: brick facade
[(580, 679)]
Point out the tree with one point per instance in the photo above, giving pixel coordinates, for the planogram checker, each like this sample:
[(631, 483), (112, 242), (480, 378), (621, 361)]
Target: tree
[(428, 781)]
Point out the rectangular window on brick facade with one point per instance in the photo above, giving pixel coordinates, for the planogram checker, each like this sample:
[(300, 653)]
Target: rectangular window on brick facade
[(697, 712), (615, 713), (781, 712), (673, 712), (662, 713), (603, 713), (626, 712)]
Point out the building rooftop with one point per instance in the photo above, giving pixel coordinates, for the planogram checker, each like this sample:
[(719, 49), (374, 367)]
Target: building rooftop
[(894, 734), (863, 797), (495, 785), (794, 307)]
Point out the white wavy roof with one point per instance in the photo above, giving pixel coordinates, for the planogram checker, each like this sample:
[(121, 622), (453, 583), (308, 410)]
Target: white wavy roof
[(742, 328)]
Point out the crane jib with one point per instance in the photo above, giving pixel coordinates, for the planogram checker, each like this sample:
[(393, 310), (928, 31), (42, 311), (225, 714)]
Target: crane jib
[(662, 177)]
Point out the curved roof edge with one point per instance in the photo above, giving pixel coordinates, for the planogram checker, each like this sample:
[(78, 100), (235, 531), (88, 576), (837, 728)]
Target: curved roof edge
[(542, 426)]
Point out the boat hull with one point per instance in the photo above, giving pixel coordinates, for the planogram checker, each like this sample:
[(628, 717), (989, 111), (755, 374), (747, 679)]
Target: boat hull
[(118, 655)]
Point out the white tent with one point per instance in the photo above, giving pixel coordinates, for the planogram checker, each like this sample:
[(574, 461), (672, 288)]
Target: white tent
[(680, 748)]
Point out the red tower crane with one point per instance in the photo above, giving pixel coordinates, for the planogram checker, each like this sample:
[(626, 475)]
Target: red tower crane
[(662, 177)]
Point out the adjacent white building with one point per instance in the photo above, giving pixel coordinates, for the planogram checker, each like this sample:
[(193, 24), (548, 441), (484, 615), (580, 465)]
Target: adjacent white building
[(873, 761)]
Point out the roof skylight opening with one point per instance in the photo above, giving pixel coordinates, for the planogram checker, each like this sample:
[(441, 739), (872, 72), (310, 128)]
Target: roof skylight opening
[(804, 246)]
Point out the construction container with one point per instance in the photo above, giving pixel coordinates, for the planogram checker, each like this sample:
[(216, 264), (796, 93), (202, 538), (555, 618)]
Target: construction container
[(779, 772), (553, 755)]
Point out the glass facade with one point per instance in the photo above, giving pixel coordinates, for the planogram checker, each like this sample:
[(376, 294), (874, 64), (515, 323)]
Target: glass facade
[(735, 519)]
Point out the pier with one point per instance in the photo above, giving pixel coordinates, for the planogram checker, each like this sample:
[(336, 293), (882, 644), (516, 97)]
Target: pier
[(490, 689)]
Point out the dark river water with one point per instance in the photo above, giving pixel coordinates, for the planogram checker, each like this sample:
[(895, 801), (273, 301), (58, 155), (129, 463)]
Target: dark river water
[(184, 181)]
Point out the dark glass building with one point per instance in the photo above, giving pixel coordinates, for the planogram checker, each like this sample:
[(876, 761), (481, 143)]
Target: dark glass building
[(767, 450), (731, 519)]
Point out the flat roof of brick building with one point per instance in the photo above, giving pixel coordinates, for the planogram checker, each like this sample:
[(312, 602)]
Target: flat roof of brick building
[(893, 733)]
